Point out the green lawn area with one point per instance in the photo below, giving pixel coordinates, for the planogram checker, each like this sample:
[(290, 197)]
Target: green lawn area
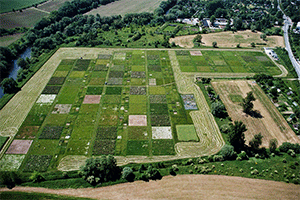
[(2, 141), (186, 133)]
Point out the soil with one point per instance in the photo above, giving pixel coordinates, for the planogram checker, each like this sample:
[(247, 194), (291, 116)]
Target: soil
[(19, 147), (92, 99), (184, 187), (137, 120), (229, 39), (264, 123)]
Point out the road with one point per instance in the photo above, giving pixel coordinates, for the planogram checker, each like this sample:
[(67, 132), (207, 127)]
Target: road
[(287, 24)]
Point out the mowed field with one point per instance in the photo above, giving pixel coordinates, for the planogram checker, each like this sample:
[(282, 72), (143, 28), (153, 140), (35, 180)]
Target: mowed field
[(30, 16), (123, 7), (183, 187), (229, 39), (270, 124)]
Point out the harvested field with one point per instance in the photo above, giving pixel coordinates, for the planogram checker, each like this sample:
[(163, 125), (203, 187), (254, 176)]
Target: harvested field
[(28, 18), (9, 39), (123, 7), (137, 120), (19, 147), (271, 124), (229, 39), (183, 187), (92, 99)]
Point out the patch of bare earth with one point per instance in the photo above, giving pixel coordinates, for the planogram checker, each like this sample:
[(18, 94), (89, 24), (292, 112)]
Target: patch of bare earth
[(270, 123), (92, 99), (184, 187), (230, 39), (19, 147)]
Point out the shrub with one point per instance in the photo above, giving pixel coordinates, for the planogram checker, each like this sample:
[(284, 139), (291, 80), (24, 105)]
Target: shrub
[(273, 145), (242, 156), (153, 173), (254, 172), (228, 152), (36, 177), (218, 158), (175, 168), (291, 152), (128, 174), (286, 146)]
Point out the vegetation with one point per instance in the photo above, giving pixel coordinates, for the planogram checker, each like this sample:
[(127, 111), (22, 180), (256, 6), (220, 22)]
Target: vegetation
[(236, 136), (34, 195), (100, 170), (247, 103)]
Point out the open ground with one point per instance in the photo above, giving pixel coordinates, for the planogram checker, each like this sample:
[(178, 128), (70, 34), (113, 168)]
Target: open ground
[(229, 39), (270, 124), (183, 187), (123, 7)]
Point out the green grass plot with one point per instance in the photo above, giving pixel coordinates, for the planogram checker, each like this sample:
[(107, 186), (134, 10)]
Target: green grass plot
[(186, 133)]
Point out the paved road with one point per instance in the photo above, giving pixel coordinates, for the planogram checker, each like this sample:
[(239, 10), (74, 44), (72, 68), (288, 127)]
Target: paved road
[(287, 24)]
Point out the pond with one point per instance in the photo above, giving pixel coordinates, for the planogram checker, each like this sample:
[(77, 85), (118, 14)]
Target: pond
[(14, 71)]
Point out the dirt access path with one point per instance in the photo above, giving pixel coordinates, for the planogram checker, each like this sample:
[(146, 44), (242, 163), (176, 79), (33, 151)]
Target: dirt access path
[(184, 187)]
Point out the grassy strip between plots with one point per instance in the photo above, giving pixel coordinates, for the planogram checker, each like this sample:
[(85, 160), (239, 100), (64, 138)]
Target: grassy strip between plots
[(2, 141)]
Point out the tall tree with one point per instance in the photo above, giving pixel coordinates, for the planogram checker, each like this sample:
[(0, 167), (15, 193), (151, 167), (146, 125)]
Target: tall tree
[(99, 170), (256, 142), (9, 86), (236, 135), (247, 102)]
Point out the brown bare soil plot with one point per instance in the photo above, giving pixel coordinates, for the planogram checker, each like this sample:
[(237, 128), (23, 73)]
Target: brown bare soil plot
[(123, 7), (19, 147), (137, 120), (229, 39), (183, 187), (92, 99), (270, 124)]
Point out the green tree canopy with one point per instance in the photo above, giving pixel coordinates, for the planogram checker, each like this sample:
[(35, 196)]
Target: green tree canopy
[(236, 135), (9, 86), (247, 103), (218, 109), (99, 170), (256, 142)]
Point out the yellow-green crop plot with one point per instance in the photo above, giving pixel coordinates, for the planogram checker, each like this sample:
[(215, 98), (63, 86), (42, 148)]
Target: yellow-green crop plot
[(186, 133)]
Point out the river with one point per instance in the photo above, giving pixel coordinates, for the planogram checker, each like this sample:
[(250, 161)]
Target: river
[(14, 72)]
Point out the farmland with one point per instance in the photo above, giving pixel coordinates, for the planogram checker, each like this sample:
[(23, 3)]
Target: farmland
[(229, 39), (29, 16), (8, 6), (226, 62), (270, 124), (123, 7), (135, 104), (76, 114)]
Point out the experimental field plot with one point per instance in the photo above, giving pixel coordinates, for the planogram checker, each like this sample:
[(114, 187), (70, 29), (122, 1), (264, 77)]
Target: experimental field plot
[(122, 103), (226, 62)]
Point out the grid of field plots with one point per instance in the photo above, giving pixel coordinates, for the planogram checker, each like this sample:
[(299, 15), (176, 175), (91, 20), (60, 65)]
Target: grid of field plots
[(124, 103), (226, 62)]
